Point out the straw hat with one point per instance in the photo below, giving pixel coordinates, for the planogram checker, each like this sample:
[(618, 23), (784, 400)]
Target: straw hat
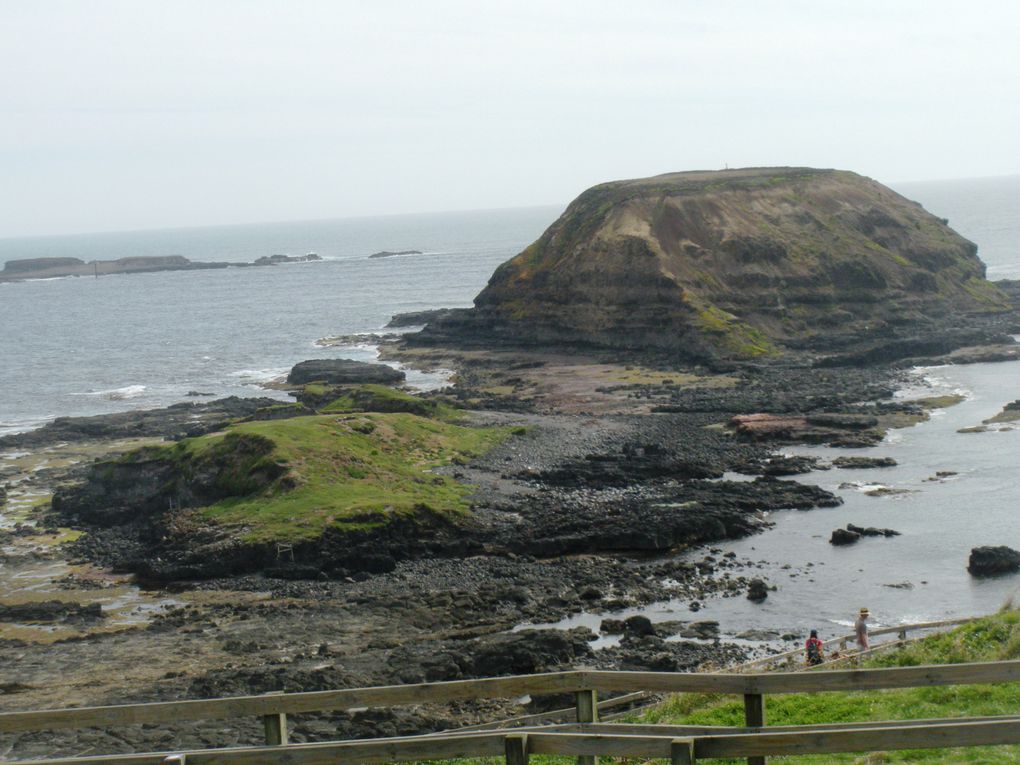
[(865, 612)]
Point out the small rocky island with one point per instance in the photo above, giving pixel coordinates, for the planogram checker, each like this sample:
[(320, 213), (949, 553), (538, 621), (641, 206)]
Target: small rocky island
[(392, 254), (51, 268)]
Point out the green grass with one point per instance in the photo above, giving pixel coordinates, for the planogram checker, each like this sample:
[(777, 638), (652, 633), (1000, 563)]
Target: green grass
[(734, 336), (994, 638), (291, 480), (380, 398)]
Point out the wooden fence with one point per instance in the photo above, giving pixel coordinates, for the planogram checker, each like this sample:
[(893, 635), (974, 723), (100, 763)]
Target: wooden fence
[(587, 739)]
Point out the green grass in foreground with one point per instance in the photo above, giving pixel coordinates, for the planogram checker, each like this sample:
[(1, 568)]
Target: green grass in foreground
[(290, 480), (995, 638)]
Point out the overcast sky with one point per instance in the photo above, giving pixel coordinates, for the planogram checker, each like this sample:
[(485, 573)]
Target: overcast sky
[(121, 115)]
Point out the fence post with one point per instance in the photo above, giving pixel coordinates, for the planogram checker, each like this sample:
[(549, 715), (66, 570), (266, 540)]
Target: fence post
[(754, 717), (902, 634), (587, 712), (516, 747), (681, 751), (275, 725)]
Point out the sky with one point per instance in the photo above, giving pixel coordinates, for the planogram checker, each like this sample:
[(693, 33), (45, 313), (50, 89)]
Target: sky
[(140, 114)]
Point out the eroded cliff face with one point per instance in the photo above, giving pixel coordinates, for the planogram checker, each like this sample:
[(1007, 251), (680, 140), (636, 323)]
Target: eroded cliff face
[(735, 263)]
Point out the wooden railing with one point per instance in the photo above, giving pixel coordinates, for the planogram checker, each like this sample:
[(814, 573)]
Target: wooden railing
[(677, 743), (585, 740)]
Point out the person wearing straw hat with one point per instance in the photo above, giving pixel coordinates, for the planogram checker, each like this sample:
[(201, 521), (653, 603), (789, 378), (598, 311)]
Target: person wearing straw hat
[(861, 629)]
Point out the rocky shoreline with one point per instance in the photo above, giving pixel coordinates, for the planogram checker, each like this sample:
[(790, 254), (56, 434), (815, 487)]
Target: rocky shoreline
[(552, 532), (623, 390)]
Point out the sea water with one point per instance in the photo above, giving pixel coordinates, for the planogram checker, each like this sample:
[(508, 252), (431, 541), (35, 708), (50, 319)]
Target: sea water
[(81, 346)]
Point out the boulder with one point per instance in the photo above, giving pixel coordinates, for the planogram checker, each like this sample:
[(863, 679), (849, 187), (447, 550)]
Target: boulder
[(612, 626), (527, 652), (757, 590), (989, 561), (343, 372), (638, 625), (843, 537)]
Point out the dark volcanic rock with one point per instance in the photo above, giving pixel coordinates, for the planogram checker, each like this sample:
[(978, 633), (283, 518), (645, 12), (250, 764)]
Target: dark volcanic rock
[(757, 590), (632, 463), (638, 625), (860, 463), (871, 531), (843, 537), (343, 372), (833, 428), (176, 421), (528, 651), (698, 512), (50, 611), (989, 561), (418, 318)]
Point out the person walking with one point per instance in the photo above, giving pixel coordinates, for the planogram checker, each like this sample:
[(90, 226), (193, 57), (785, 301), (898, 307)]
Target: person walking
[(861, 629), (813, 646)]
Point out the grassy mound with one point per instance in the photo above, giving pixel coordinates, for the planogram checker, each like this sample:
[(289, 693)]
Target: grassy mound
[(995, 638), (290, 480), (380, 398)]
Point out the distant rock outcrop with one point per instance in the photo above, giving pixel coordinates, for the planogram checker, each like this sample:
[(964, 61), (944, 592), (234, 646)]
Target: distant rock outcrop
[(52, 268), (732, 264), (275, 260), (390, 254)]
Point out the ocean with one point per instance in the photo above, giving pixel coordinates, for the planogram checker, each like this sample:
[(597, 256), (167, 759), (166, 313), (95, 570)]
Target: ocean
[(80, 346)]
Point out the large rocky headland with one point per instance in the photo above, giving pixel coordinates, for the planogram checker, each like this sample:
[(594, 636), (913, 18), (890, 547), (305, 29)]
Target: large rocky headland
[(622, 391), (736, 264)]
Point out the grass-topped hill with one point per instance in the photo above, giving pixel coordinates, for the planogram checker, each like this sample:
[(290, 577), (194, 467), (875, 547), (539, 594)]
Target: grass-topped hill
[(994, 638), (340, 472), (331, 480), (737, 264)]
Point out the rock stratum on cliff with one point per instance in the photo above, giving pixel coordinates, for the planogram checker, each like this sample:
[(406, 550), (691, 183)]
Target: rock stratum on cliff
[(730, 264)]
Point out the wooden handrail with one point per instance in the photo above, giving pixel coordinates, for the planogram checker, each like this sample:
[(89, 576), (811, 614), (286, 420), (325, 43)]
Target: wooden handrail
[(809, 682), (292, 703), (936, 734), (516, 685)]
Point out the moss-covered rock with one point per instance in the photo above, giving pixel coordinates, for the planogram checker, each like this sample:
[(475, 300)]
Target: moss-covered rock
[(338, 490)]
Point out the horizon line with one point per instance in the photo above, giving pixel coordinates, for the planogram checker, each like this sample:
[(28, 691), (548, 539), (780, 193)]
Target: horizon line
[(200, 226), (194, 227)]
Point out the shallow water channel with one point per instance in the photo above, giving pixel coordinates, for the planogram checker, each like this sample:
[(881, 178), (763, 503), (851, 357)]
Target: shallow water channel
[(918, 576)]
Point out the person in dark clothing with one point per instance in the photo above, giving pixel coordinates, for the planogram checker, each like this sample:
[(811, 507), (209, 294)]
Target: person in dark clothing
[(813, 646)]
